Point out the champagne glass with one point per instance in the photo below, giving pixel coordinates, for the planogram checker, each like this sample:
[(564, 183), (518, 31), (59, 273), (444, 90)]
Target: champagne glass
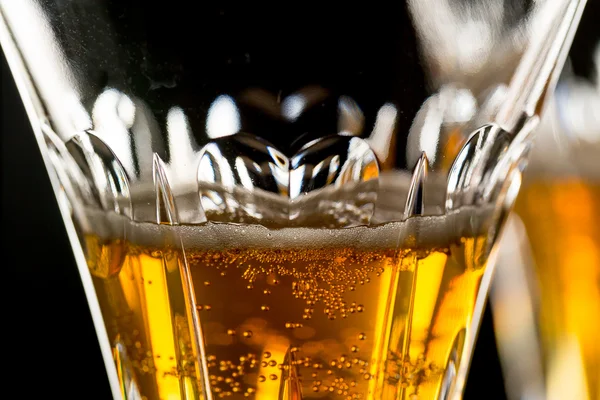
[(546, 296), (285, 203)]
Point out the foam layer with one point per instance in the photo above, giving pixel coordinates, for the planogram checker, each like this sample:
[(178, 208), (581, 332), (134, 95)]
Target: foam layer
[(437, 231)]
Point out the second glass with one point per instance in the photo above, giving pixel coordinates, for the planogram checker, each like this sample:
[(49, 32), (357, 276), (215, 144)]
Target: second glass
[(546, 295)]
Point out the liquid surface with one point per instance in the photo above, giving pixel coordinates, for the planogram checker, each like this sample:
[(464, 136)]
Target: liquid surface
[(329, 321), (562, 219)]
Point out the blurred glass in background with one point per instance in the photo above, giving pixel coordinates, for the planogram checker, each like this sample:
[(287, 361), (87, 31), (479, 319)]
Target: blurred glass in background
[(546, 292)]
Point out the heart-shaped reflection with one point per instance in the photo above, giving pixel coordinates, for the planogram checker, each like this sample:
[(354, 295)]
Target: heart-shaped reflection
[(329, 182)]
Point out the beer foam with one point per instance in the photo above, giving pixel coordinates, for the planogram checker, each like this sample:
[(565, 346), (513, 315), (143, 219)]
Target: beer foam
[(388, 228), (420, 231)]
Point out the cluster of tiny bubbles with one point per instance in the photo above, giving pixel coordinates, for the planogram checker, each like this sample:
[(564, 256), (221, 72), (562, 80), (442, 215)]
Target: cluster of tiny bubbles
[(404, 372), (345, 386), (320, 278), (325, 377), (228, 379)]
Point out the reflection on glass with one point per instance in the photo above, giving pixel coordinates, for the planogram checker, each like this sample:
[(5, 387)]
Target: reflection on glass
[(286, 207), (223, 118)]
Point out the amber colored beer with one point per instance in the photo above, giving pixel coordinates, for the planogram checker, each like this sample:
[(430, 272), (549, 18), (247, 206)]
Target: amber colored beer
[(288, 314), (562, 219)]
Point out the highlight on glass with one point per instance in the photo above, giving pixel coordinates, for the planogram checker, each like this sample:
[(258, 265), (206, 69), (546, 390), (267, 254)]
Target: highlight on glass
[(283, 203)]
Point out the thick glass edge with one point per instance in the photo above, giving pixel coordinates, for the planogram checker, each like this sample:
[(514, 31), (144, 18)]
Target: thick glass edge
[(34, 112)]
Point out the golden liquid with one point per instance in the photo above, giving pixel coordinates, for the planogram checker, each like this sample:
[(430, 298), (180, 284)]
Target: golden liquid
[(562, 219), (148, 315), (292, 323)]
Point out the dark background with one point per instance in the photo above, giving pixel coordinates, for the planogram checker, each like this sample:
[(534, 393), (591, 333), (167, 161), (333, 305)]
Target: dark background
[(50, 347)]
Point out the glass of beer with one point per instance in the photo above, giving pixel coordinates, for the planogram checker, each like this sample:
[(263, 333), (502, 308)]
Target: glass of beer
[(285, 203), (546, 295)]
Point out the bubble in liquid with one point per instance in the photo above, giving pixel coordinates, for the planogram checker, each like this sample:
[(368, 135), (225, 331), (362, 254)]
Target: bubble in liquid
[(264, 308), (266, 291), (206, 283), (360, 308), (231, 332), (262, 378), (207, 307), (273, 377), (267, 354), (362, 336), (367, 376), (354, 349), (272, 363)]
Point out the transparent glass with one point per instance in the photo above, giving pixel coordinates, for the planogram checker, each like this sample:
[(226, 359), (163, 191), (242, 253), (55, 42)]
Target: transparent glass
[(546, 293), (285, 203)]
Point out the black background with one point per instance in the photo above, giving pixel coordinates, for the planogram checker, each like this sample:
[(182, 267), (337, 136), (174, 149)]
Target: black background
[(49, 346)]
